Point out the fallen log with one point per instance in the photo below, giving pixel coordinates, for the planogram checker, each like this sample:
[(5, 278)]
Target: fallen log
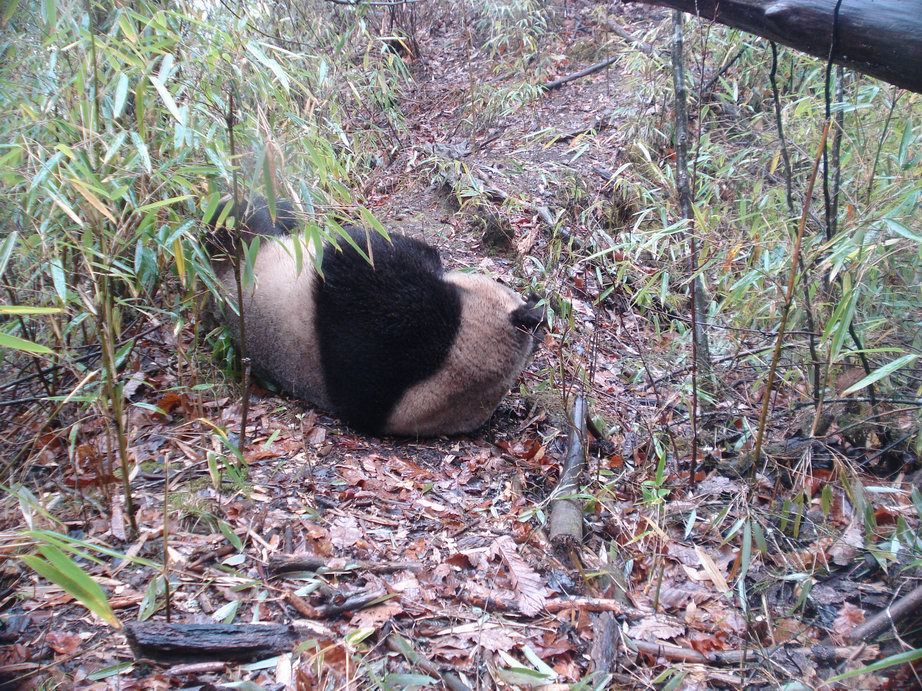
[(566, 523), (890, 617), (200, 642), (881, 38)]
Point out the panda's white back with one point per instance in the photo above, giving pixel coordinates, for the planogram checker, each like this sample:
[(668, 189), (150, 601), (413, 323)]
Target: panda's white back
[(280, 326)]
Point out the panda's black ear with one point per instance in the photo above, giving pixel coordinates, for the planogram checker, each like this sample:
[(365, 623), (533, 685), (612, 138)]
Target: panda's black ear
[(220, 240), (530, 316)]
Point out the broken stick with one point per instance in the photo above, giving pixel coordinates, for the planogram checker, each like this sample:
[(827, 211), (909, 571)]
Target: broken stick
[(282, 564), (566, 524), (890, 616)]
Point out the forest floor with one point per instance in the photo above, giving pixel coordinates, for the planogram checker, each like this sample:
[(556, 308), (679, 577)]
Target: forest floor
[(439, 548)]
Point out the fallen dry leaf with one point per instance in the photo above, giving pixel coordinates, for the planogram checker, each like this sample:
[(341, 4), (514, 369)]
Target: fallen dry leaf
[(63, 643), (848, 618), (525, 580)]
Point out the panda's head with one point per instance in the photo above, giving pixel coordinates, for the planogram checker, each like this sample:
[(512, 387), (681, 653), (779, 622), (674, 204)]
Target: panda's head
[(496, 335)]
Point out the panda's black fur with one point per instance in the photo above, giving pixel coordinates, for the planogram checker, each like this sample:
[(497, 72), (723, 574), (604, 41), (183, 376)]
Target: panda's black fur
[(397, 346), (382, 329)]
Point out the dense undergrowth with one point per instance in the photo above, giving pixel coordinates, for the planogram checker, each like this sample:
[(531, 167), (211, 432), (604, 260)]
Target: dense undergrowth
[(124, 126)]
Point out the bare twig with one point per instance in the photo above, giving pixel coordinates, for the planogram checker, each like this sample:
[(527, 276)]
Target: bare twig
[(239, 214), (789, 198), (723, 70), (894, 97), (788, 295)]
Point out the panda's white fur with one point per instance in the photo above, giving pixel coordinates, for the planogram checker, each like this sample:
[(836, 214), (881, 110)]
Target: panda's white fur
[(401, 348)]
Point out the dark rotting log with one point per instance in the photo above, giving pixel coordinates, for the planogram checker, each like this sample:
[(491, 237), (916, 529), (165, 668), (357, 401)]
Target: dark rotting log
[(882, 38), (176, 643)]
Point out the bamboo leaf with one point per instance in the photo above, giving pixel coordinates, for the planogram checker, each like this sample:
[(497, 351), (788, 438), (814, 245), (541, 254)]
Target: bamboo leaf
[(94, 201), (148, 606), (226, 613), (61, 570), (369, 219), (128, 30), (166, 68), (269, 181), (114, 146), (166, 97), (121, 95), (231, 536), (26, 309), (6, 249), (893, 660), (111, 671), (82, 548), (142, 151), (905, 142), (16, 343), (58, 279), (139, 109), (180, 260), (163, 202), (880, 373), (9, 10), (902, 230), (254, 50), (46, 168), (50, 14)]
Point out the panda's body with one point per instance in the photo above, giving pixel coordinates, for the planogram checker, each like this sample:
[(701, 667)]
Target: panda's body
[(400, 347)]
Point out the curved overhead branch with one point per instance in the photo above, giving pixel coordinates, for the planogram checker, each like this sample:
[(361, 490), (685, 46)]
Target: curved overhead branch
[(882, 38)]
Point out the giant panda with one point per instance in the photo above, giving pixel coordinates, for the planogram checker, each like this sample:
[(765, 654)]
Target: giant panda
[(400, 347)]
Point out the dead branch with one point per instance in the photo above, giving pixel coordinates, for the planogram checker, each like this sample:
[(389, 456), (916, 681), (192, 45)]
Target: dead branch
[(788, 296), (566, 523), (883, 38), (358, 601), (201, 642), (197, 565), (728, 658), (889, 616), (554, 606), (288, 563), (599, 123), (604, 643), (196, 668), (304, 608), (617, 29), (585, 72)]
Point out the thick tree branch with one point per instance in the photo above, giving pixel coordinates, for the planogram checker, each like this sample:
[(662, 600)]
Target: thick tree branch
[(882, 38)]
